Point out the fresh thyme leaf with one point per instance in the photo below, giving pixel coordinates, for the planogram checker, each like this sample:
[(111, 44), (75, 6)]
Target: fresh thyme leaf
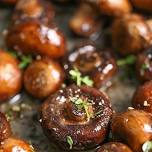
[(77, 76), (25, 61), (129, 60), (147, 146), (70, 141), (98, 113), (82, 104), (144, 66), (13, 53)]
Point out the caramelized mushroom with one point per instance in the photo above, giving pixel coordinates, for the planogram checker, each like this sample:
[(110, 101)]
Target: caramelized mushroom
[(113, 7), (5, 130), (145, 5), (10, 76), (114, 147), (99, 65), (85, 21), (142, 98), (33, 9), (131, 34), (15, 145), (144, 65), (36, 38), (76, 118), (43, 77), (133, 128)]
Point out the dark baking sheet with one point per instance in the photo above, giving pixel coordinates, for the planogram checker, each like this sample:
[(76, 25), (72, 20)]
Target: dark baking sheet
[(22, 110)]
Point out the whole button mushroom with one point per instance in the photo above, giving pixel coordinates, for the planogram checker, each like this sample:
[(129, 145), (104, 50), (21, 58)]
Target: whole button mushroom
[(114, 147), (76, 118), (5, 129), (142, 98), (133, 128), (100, 66), (36, 38), (131, 34), (10, 76), (15, 145), (43, 77)]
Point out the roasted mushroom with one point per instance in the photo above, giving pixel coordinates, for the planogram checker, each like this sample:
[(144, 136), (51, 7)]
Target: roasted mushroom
[(142, 98), (144, 66), (9, 2), (10, 76), (85, 21), (145, 5), (43, 77), (90, 61), (133, 128), (114, 147), (33, 9), (36, 38), (131, 34), (15, 145), (76, 118), (5, 129), (113, 8)]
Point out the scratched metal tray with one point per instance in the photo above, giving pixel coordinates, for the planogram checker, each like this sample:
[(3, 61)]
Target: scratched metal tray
[(22, 110)]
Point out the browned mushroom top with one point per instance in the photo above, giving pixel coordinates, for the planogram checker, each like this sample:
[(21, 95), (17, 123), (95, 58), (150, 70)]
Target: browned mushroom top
[(89, 60), (5, 130), (133, 128), (81, 113), (33, 9)]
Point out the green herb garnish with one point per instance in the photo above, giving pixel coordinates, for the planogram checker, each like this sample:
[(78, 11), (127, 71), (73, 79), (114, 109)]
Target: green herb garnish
[(144, 66), (70, 141), (98, 113), (79, 79), (25, 60), (82, 105), (129, 60), (147, 146)]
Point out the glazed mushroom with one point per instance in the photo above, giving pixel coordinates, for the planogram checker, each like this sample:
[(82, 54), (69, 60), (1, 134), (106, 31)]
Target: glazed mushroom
[(76, 118), (33, 9), (145, 5), (131, 34), (142, 98), (144, 66), (43, 77), (90, 61), (114, 147), (36, 38), (85, 21), (5, 129), (10, 76), (133, 128), (15, 145), (113, 8)]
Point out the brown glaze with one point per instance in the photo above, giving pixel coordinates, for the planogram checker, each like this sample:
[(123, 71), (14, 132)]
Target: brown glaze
[(15, 145), (43, 77), (113, 8), (145, 5), (85, 21), (5, 129), (89, 60), (114, 147), (10, 76), (144, 66), (131, 34), (33, 9), (142, 98), (60, 117), (36, 38), (133, 128)]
